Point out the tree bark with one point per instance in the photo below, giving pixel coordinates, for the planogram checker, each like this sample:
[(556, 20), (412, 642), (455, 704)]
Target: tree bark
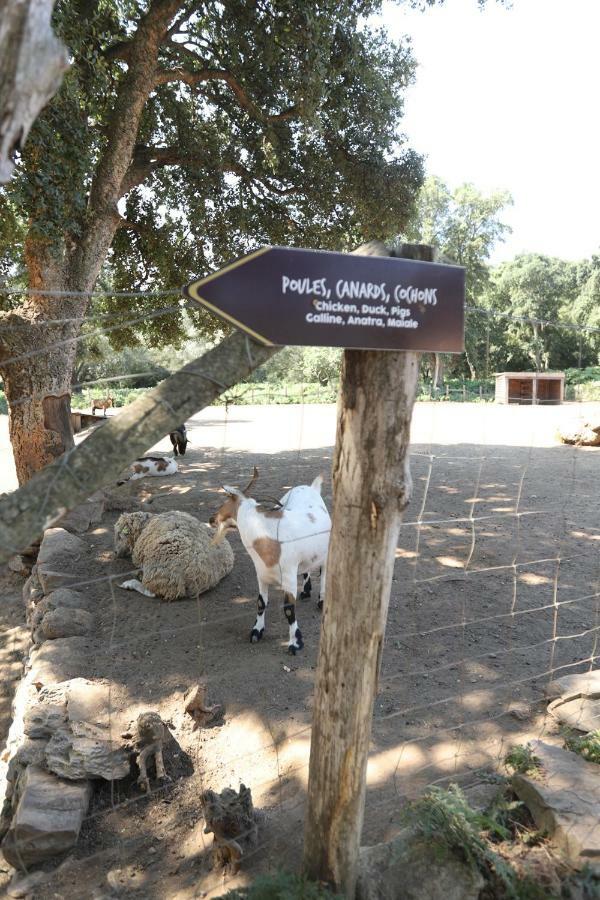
[(439, 371), (37, 386), (37, 352), (371, 487), (536, 347), (32, 62)]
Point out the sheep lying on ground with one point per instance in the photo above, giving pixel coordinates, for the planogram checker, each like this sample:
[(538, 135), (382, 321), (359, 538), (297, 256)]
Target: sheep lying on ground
[(174, 552)]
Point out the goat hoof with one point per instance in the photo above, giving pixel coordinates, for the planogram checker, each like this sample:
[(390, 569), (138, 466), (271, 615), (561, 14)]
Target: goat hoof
[(305, 595), (319, 604), (256, 635), (297, 645)]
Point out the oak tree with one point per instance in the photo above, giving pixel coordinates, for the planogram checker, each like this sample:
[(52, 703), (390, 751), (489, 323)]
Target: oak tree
[(186, 133)]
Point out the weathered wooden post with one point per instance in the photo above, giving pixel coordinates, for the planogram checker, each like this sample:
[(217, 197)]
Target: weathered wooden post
[(371, 487)]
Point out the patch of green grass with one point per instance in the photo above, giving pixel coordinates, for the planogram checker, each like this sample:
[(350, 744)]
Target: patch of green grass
[(445, 818), (584, 885), (587, 745), (522, 759), (282, 886)]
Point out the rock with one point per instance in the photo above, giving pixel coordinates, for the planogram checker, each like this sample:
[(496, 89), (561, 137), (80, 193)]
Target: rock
[(43, 718), (84, 731), (47, 819), (81, 750), (32, 589), (584, 684), (520, 711), (63, 622), (232, 819), (409, 868), (62, 598), (29, 753), (577, 702), (61, 556), (22, 886), (121, 500), (564, 801), (61, 659), (21, 565), (79, 519), (580, 432), (197, 706), (582, 713)]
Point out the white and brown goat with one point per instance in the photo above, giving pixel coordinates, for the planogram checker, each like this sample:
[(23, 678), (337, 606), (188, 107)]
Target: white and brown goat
[(291, 538)]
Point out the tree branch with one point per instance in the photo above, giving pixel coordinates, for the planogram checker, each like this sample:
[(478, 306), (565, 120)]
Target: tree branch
[(148, 159), (99, 459), (195, 78)]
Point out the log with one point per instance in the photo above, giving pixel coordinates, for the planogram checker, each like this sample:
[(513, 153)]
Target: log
[(98, 460), (371, 487), (32, 63)]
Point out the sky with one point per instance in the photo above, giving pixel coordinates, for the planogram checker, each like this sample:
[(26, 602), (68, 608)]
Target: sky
[(509, 99)]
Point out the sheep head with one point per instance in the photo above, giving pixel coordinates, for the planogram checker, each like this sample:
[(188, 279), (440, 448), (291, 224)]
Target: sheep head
[(128, 528)]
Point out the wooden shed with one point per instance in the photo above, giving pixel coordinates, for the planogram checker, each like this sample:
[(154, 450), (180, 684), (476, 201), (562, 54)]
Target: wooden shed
[(530, 387)]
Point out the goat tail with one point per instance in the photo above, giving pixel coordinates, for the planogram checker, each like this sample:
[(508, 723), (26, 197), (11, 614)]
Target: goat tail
[(317, 483)]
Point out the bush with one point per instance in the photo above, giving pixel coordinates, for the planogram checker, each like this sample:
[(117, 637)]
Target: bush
[(522, 759), (121, 396), (589, 391), (587, 745), (445, 817)]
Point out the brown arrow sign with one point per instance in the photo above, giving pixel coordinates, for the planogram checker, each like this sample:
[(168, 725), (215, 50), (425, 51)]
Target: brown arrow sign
[(285, 296)]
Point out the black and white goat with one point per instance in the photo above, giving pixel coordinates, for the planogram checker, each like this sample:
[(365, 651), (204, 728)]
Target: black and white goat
[(292, 538), (179, 439)]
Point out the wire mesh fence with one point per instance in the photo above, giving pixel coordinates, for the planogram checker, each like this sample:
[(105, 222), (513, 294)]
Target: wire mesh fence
[(496, 593)]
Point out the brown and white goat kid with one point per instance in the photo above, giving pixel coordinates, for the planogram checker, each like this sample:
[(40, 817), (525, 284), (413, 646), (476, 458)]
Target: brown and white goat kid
[(292, 538)]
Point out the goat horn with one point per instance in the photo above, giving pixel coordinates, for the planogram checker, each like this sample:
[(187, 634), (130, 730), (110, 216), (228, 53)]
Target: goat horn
[(251, 482)]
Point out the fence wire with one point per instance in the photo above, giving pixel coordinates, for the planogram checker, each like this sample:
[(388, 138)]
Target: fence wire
[(496, 592)]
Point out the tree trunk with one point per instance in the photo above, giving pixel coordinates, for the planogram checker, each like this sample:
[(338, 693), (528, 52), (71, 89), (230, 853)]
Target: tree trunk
[(37, 355), (37, 352), (439, 371), (37, 386), (32, 62), (536, 347)]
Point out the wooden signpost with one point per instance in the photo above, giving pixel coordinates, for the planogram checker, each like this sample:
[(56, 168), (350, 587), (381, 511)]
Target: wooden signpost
[(283, 296), (371, 484)]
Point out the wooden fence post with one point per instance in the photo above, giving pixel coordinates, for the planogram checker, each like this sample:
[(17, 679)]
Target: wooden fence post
[(371, 487)]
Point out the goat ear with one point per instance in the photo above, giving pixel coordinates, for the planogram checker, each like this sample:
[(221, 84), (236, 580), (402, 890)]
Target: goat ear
[(251, 482), (232, 491)]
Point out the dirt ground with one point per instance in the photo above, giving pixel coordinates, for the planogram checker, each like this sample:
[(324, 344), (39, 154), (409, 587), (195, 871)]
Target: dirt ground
[(496, 588)]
